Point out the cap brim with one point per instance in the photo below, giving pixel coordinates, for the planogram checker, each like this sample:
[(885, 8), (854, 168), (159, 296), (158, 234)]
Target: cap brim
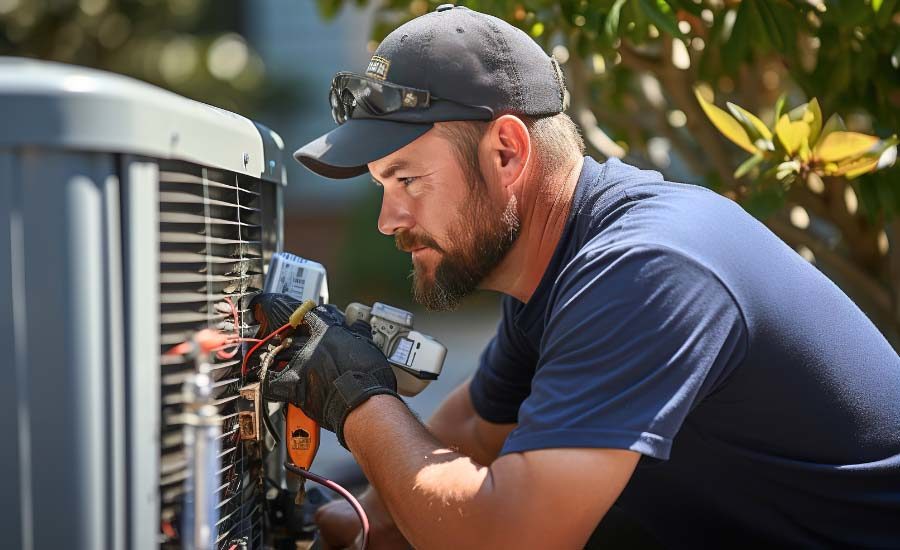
[(345, 151)]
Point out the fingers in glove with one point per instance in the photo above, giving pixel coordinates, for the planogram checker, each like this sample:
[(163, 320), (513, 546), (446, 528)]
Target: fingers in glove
[(362, 328), (322, 317), (272, 311)]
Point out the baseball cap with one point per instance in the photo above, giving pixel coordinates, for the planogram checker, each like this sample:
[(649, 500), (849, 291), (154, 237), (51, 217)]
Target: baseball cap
[(451, 64)]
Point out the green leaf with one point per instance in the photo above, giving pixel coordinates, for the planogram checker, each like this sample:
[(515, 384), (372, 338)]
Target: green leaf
[(748, 165), (769, 22), (765, 201), (633, 13), (662, 16), (611, 25), (726, 124), (777, 23), (735, 49), (779, 106), (838, 146), (884, 10)]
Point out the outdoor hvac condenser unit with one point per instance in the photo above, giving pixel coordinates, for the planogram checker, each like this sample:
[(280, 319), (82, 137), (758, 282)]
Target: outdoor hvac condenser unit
[(127, 215)]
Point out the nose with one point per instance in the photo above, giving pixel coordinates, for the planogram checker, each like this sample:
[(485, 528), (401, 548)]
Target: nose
[(394, 214)]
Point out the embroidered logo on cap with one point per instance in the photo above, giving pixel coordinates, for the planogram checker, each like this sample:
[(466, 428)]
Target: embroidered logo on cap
[(378, 67)]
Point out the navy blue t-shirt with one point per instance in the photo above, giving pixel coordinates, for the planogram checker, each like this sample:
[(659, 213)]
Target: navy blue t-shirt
[(670, 322)]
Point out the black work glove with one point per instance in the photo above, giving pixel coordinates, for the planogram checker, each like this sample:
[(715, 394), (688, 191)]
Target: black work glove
[(334, 371), (272, 311)]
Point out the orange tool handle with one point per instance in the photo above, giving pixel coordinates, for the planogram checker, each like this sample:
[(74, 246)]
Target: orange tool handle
[(302, 435)]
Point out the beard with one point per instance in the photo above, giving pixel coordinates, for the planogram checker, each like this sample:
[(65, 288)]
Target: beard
[(476, 244)]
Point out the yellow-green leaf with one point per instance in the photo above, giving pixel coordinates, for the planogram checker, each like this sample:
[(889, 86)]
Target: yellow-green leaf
[(750, 120), (726, 124), (857, 167), (838, 146), (798, 112), (834, 124), (804, 153), (779, 106), (791, 134), (814, 114), (748, 165)]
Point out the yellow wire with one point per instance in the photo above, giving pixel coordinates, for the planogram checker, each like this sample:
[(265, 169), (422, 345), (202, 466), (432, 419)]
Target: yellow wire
[(300, 313)]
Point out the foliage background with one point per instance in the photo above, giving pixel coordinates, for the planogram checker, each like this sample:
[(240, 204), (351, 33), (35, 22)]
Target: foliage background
[(631, 68)]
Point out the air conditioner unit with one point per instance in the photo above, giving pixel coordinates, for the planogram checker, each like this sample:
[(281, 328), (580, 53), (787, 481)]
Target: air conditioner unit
[(127, 215)]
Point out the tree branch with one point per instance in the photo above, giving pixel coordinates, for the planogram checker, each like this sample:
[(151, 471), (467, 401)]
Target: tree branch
[(677, 85), (595, 138)]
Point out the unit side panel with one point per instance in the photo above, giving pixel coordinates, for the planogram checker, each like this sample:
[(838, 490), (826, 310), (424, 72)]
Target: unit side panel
[(140, 196), (15, 460), (65, 303)]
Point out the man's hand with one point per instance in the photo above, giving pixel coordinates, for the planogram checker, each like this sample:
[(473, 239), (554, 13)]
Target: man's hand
[(334, 371), (339, 525)]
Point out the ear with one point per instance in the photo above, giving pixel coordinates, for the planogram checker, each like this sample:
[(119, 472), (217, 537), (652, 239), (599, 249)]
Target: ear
[(509, 150)]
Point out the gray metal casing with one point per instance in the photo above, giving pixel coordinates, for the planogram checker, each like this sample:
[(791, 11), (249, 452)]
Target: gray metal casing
[(79, 293)]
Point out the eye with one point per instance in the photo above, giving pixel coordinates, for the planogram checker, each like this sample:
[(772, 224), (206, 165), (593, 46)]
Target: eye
[(408, 181)]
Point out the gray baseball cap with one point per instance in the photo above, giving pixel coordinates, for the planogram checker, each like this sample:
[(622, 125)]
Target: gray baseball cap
[(451, 64)]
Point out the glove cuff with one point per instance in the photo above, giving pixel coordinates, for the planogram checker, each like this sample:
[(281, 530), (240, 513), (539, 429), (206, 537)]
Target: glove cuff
[(355, 388)]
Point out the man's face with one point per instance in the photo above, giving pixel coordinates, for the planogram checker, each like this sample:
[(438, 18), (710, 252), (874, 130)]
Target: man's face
[(457, 230)]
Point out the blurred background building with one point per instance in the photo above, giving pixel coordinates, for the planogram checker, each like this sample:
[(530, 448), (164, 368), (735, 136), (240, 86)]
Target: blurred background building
[(271, 61)]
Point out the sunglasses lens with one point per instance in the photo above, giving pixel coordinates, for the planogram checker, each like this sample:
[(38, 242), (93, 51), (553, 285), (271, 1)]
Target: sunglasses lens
[(337, 111), (350, 91)]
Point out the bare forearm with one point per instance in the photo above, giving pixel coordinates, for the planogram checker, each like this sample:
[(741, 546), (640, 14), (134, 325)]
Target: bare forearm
[(456, 425), (437, 496)]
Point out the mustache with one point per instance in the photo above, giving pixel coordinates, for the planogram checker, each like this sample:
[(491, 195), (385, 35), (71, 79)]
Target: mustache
[(407, 241)]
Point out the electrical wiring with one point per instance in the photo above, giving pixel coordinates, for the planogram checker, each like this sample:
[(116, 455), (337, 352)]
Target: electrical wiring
[(324, 481), (221, 354), (258, 345), (295, 320), (263, 370)]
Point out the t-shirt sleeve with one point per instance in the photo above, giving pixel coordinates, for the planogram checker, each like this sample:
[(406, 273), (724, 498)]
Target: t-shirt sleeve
[(503, 379), (635, 338)]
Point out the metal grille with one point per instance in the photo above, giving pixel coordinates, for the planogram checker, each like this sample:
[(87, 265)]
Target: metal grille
[(215, 237)]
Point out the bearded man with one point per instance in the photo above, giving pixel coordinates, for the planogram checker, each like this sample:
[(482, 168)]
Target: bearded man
[(662, 357)]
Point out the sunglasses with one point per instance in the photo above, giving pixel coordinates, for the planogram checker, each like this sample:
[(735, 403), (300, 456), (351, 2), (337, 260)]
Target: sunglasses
[(350, 91)]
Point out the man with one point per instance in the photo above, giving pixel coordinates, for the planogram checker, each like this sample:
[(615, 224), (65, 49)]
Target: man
[(659, 350)]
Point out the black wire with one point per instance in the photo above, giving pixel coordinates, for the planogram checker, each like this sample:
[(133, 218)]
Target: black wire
[(268, 422)]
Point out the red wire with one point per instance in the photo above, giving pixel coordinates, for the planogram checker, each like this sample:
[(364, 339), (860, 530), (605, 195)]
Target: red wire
[(237, 332), (257, 346), (357, 507), (232, 342)]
